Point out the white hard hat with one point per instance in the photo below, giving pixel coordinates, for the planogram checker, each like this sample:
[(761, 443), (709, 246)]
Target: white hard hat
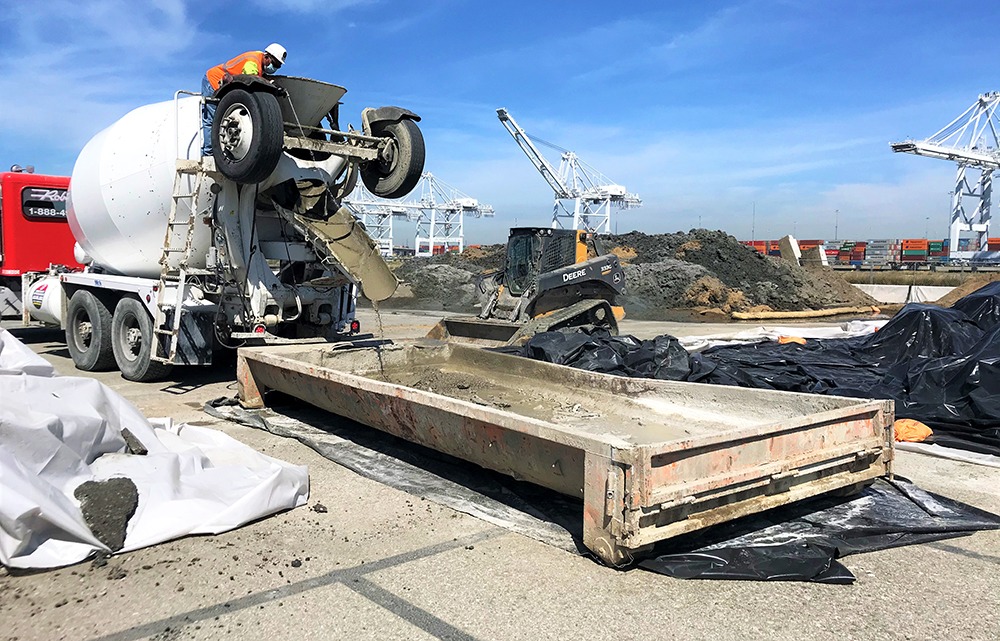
[(277, 52)]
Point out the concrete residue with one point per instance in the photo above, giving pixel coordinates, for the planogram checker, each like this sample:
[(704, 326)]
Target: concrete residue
[(107, 507), (134, 445)]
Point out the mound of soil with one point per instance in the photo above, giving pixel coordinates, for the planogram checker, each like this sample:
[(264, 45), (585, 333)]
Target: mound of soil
[(966, 288), (701, 270), (759, 280), (436, 285)]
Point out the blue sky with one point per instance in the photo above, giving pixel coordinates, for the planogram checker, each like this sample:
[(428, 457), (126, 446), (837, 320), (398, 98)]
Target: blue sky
[(705, 109)]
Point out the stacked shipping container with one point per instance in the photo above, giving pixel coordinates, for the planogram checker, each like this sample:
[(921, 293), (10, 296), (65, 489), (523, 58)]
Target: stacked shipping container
[(882, 251), (915, 250)]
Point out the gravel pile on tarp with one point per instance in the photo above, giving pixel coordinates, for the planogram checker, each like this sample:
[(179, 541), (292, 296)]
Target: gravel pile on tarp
[(701, 269)]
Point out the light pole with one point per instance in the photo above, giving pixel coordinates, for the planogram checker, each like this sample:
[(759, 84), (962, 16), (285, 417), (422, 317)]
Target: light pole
[(836, 224), (927, 226), (753, 222), (951, 204)]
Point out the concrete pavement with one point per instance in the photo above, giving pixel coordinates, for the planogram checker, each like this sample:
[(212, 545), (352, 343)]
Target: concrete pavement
[(383, 564)]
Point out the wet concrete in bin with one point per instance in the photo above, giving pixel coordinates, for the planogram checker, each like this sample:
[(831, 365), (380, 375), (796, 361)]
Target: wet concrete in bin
[(638, 419)]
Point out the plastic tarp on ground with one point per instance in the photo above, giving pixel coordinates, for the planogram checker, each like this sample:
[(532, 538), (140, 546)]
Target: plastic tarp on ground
[(898, 294), (59, 432), (802, 541), (849, 329), (940, 366)]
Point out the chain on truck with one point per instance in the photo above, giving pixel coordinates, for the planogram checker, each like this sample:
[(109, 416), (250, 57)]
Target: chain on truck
[(177, 255)]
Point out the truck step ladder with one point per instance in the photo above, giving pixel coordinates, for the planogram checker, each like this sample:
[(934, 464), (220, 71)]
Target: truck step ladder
[(176, 275)]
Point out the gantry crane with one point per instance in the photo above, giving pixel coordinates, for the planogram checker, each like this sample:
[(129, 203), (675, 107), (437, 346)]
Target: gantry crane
[(972, 141), (439, 214), (442, 224), (592, 194), (377, 215)]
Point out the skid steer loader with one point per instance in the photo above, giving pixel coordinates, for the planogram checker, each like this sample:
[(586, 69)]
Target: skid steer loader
[(551, 279)]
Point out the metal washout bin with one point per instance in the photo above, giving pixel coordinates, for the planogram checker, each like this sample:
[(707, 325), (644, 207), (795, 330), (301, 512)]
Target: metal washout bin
[(650, 459)]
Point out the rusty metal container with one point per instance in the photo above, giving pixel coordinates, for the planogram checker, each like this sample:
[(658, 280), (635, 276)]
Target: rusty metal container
[(650, 459)]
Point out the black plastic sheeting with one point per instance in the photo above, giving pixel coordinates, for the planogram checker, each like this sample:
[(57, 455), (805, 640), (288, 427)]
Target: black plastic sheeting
[(802, 541), (940, 366)]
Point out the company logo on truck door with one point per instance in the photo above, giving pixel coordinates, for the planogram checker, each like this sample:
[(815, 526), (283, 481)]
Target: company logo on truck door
[(574, 275), (40, 203), (38, 296), (47, 195)]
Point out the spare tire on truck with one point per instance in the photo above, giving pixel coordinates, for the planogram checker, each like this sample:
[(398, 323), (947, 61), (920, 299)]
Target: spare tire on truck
[(247, 135), (399, 166)]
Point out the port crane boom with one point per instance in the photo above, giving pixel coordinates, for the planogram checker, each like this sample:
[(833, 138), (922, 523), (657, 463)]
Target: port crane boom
[(592, 195), (973, 142)]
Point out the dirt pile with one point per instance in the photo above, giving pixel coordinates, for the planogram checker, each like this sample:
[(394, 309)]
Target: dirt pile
[(445, 282), (434, 286), (732, 277), (966, 288), (702, 269)]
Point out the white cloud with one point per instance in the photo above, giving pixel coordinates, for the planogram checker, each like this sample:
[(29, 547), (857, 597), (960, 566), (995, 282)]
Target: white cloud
[(79, 66), (325, 7)]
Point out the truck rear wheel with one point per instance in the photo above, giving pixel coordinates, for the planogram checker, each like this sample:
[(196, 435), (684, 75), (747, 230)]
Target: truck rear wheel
[(400, 164), (132, 341), (247, 135), (88, 332)]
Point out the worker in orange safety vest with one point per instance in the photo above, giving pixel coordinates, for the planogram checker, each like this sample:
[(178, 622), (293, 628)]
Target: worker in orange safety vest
[(251, 63)]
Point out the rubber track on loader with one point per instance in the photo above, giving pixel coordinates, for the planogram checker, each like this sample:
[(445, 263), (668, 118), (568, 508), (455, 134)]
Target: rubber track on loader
[(563, 317)]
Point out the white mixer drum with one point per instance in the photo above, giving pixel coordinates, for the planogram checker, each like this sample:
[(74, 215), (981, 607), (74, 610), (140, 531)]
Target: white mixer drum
[(122, 183)]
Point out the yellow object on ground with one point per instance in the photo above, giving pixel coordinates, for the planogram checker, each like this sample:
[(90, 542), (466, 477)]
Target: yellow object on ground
[(811, 313), (910, 430), (784, 340)]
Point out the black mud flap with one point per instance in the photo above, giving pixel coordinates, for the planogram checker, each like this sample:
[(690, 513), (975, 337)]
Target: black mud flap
[(196, 342)]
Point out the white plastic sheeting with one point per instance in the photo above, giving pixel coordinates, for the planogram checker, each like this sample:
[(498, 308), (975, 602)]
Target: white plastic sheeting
[(955, 454), (57, 432), (895, 294), (774, 332)]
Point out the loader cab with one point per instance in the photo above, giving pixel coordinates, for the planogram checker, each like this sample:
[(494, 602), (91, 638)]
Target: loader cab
[(537, 250)]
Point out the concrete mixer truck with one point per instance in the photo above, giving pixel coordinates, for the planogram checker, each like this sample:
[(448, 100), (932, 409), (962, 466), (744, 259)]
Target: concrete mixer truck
[(185, 254)]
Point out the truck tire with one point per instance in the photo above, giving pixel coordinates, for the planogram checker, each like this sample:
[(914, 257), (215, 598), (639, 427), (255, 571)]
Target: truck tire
[(397, 171), (132, 341), (247, 136), (88, 332)]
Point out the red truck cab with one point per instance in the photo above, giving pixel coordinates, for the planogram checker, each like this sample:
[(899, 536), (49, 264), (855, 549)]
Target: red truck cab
[(34, 233)]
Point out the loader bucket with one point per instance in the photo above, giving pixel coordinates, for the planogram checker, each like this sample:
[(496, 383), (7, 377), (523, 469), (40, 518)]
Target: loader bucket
[(474, 331)]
